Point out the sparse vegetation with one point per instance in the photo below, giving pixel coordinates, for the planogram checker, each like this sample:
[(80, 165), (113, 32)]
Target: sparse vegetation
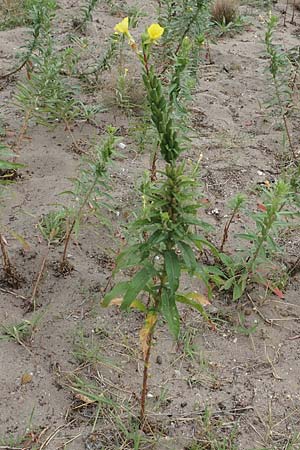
[(199, 213)]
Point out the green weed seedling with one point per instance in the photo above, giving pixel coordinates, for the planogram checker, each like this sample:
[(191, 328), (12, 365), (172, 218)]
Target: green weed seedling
[(165, 242), (211, 436), (21, 332), (243, 329), (87, 350), (104, 61), (281, 73), (222, 28), (122, 91), (253, 261), (236, 204), (46, 96), (225, 18), (40, 14), (16, 13), (89, 189), (87, 15), (53, 226), (27, 439), (182, 19)]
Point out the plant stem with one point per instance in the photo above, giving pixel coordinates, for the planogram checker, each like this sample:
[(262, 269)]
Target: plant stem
[(70, 230), (153, 170), (145, 379), (226, 229), (264, 234), (283, 114), (38, 280), (22, 132), (5, 258)]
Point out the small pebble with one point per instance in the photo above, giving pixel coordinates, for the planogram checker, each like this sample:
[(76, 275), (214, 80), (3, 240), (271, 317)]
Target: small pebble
[(159, 360)]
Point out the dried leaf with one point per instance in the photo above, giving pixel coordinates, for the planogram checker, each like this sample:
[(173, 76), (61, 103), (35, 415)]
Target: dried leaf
[(26, 378), (20, 238), (84, 399), (261, 207), (278, 292), (145, 332), (135, 304), (117, 301), (199, 298)]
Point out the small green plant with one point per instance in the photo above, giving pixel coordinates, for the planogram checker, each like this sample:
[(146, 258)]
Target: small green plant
[(224, 12), (243, 329), (53, 226), (253, 262), (87, 350), (87, 15), (211, 436), (105, 61), (181, 19), (165, 241), (220, 29), (280, 70), (235, 204), (89, 189), (21, 332), (24, 440), (15, 13), (40, 14)]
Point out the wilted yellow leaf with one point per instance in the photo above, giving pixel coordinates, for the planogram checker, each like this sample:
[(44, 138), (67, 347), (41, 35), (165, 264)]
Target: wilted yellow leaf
[(146, 331), (135, 304), (117, 301), (84, 399), (199, 298)]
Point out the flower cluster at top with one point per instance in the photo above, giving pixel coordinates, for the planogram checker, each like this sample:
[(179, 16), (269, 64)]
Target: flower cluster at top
[(154, 32)]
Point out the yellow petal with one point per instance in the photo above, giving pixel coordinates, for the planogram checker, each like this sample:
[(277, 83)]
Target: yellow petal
[(122, 27), (155, 31)]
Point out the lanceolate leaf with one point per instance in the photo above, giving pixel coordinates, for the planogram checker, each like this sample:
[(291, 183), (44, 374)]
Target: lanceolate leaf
[(116, 292), (172, 266), (129, 257), (137, 284), (137, 304), (170, 312), (6, 165), (188, 256), (186, 300)]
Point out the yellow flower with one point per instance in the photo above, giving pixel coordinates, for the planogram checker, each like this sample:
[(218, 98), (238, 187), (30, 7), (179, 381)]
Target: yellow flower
[(155, 31), (122, 27)]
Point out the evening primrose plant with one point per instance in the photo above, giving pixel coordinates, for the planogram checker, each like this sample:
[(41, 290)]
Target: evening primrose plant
[(165, 241)]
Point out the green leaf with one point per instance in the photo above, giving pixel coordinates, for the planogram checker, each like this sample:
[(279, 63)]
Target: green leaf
[(188, 256), (237, 291), (247, 236), (239, 288), (228, 283), (6, 165), (172, 266), (226, 260), (170, 312), (194, 304), (118, 290), (129, 257), (137, 284)]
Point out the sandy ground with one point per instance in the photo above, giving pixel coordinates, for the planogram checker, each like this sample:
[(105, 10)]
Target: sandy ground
[(248, 381)]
